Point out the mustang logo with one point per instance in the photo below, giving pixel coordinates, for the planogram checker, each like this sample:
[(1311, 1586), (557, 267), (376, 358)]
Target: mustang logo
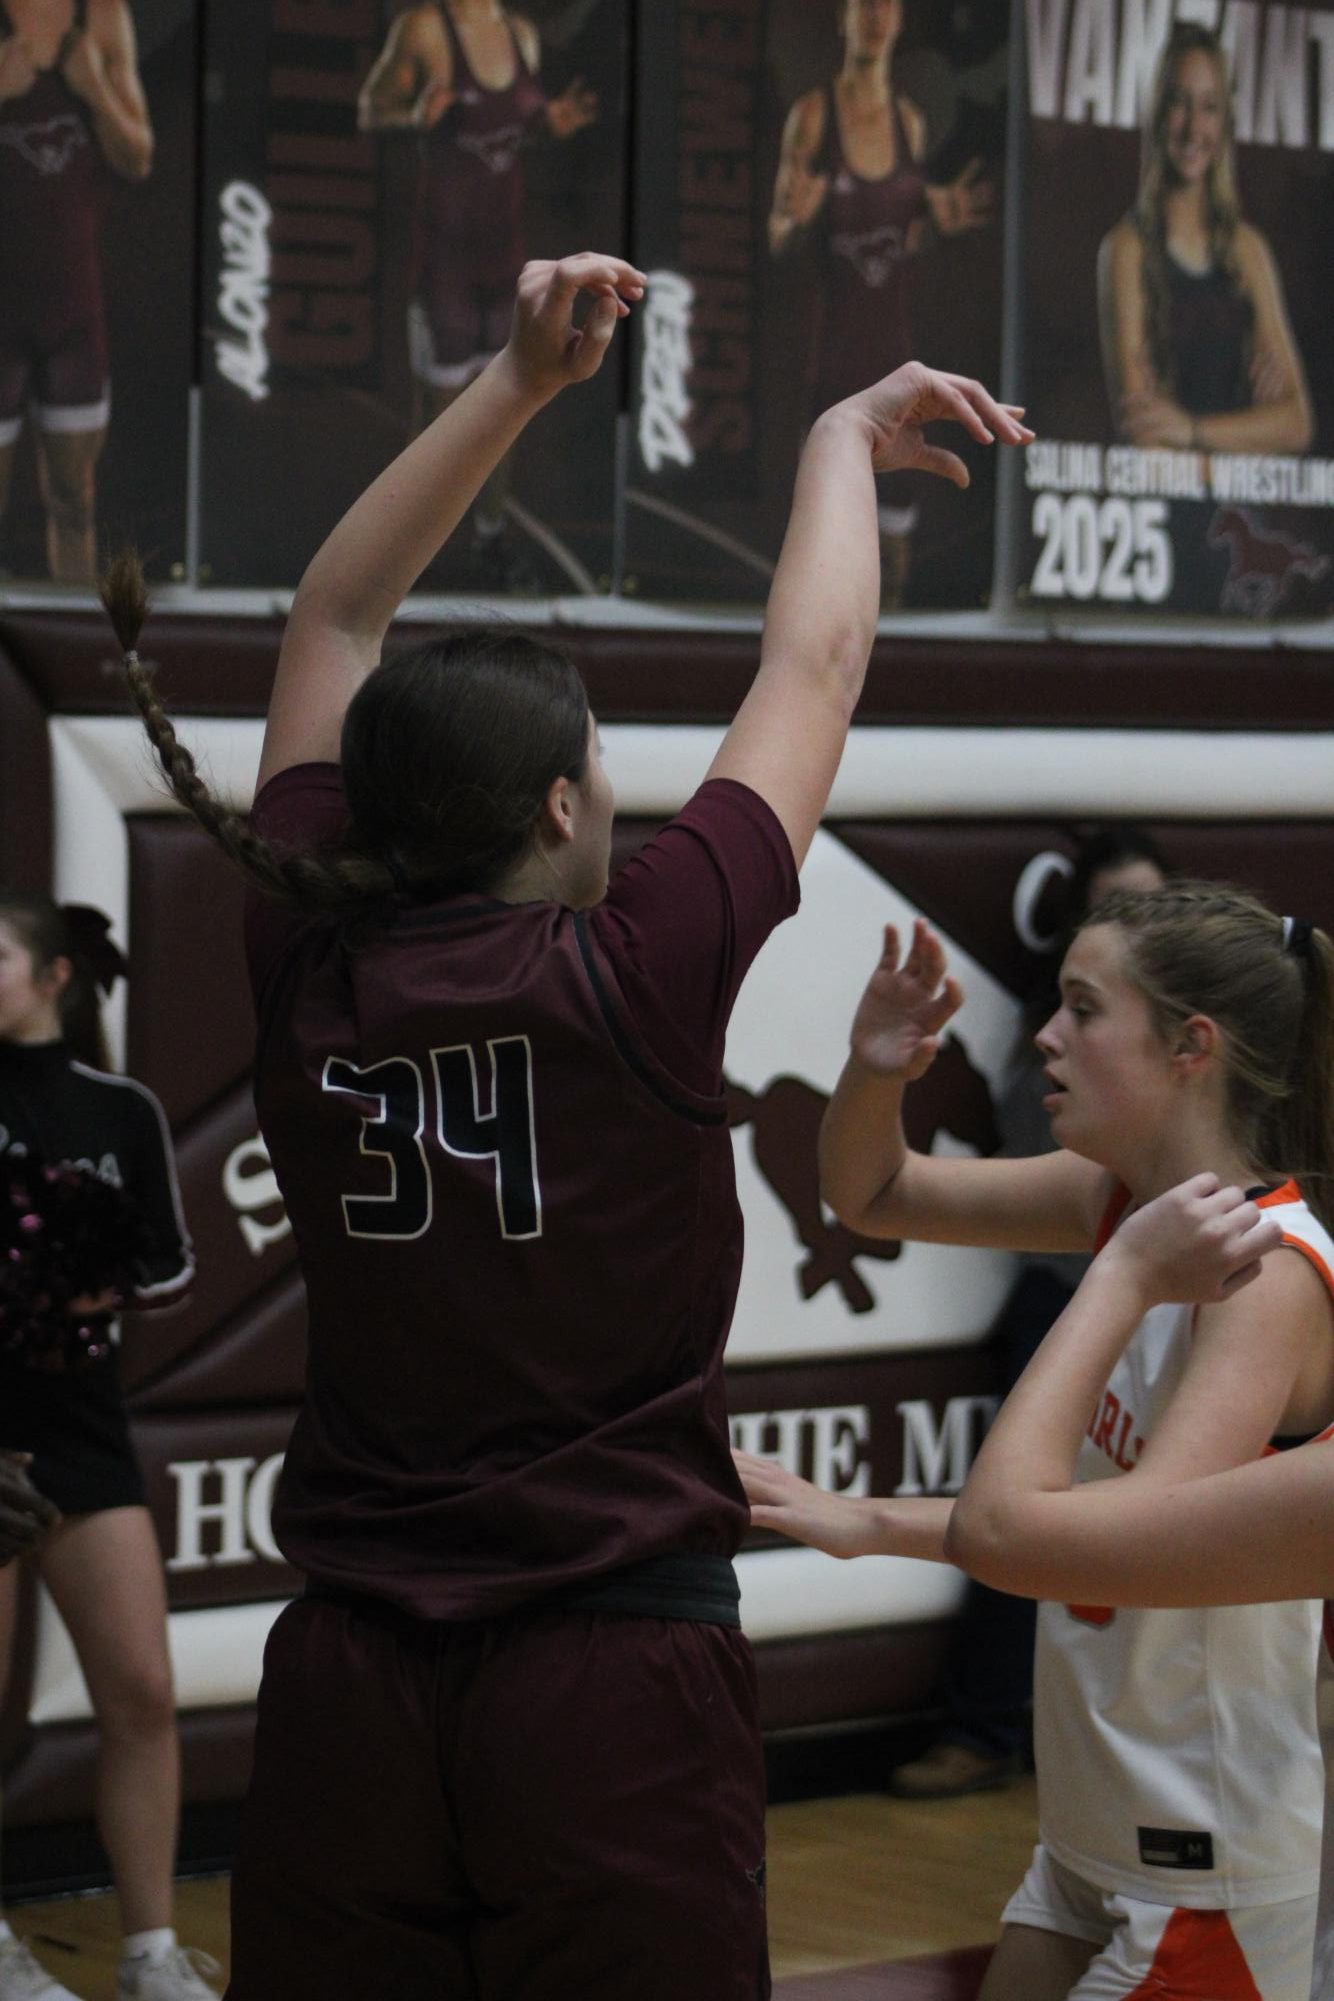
[(876, 253), (49, 147), (953, 1097), (497, 150), (1262, 566)]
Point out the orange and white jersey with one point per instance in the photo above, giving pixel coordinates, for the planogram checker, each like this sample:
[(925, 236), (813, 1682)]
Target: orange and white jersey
[(1177, 1751), (1322, 1983)]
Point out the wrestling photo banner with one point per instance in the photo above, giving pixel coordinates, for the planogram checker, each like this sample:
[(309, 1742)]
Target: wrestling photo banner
[(375, 177), (1178, 217), (97, 243), (818, 199)]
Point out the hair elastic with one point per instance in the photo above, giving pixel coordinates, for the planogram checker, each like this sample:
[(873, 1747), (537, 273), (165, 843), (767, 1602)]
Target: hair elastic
[(1297, 936)]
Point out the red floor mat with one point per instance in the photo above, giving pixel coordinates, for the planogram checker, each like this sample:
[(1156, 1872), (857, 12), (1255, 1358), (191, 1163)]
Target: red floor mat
[(945, 1976)]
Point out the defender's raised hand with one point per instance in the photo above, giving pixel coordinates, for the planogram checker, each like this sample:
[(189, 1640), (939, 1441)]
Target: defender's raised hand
[(896, 1029), (898, 406), (547, 347)]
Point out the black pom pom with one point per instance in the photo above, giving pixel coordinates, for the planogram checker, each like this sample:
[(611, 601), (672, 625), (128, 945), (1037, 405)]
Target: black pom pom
[(71, 1251)]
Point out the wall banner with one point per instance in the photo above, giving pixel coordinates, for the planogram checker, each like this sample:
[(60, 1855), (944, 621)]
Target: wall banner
[(818, 194), (375, 177), (1174, 334), (97, 147)]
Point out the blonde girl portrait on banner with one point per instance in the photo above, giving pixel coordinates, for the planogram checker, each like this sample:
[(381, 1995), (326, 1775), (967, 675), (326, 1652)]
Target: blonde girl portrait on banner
[(1197, 348)]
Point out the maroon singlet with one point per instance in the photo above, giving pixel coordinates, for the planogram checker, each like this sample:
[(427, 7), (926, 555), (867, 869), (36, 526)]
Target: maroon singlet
[(52, 333), (865, 226), (469, 223), (500, 1134)]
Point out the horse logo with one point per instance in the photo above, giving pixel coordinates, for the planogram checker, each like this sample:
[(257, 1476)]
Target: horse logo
[(953, 1097), (49, 147), (1262, 566), (496, 150), (875, 253)]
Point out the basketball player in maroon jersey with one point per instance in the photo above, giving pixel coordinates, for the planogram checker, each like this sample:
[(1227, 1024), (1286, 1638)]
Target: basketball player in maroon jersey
[(463, 75), (508, 1742), (851, 164), (69, 95)]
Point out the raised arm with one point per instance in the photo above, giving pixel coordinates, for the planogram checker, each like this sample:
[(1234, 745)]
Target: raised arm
[(1156, 1536), (789, 733), (355, 584), (871, 1178), (101, 66)]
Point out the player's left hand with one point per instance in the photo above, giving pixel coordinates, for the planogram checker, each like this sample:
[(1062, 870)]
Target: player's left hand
[(835, 1523), (963, 203), (547, 348), (576, 107), (898, 406)]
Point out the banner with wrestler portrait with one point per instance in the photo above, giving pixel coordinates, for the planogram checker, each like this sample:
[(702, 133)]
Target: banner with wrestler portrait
[(97, 143), (1175, 352), (376, 174), (818, 200)]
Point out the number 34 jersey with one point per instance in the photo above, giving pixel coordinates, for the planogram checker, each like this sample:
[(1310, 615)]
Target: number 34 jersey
[(1178, 1755), (505, 1155)]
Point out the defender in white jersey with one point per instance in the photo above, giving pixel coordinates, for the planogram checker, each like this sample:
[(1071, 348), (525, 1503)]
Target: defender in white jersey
[(1178, 1759)]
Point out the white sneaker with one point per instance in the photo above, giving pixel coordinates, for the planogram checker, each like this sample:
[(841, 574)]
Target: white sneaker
[(175, 1978), (23, 1978)]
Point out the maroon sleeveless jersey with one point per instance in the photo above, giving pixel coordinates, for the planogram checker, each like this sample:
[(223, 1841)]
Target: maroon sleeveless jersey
[(48, 177), (470, 199), (864, 331), (500, 1134)]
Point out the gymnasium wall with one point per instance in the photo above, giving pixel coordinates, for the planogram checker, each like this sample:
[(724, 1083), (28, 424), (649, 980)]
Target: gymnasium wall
[(862, 1364)]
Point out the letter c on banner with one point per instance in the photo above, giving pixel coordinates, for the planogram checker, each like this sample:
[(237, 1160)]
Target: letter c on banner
[(1028, 893)]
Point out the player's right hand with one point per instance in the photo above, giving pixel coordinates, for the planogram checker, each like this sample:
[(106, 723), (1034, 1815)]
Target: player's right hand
[(25, 1515), (547, 347), (900, 404), (896, 1029)]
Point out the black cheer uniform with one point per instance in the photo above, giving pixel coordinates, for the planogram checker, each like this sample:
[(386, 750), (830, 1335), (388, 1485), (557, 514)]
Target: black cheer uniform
[(75, 1423)]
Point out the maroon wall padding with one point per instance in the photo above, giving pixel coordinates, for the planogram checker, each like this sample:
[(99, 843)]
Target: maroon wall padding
[(190, 1028), (215, 667), (25, 783), (53, 1780), (213, 1386), (832, 1678)]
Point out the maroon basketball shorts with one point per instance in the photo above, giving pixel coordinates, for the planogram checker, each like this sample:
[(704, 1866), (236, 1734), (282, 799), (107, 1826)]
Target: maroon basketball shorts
[(550, 1806)]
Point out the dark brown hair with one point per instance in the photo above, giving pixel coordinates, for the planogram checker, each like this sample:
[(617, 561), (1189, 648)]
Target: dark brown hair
[(448, 750), (1204, 948), (49, 932)]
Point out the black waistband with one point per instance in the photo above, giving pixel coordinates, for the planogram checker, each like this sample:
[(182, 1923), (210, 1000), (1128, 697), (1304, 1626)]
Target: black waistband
[(663, 1587), (700, 1587)]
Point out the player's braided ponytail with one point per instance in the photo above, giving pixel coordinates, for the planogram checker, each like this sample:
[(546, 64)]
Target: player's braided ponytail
[(1204, 948), (448, 751)]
